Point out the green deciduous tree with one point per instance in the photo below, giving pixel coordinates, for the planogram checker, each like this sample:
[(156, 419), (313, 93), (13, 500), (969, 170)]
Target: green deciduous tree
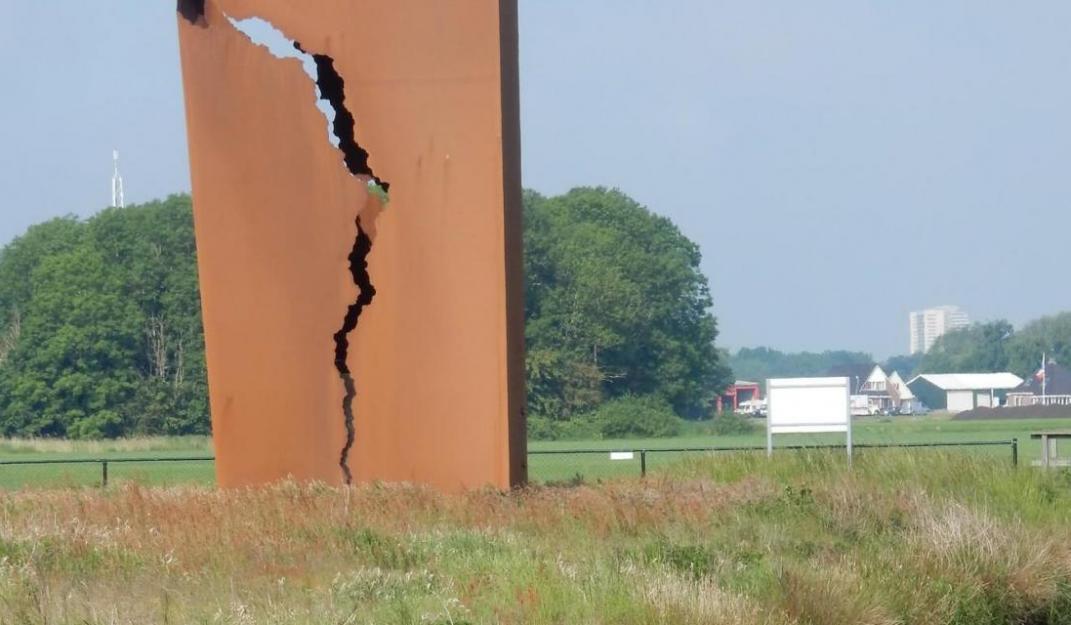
[(1047, 335), (978, 348), (100, 324), (103, 336), (616, 305), (906, 365), (996, 346)]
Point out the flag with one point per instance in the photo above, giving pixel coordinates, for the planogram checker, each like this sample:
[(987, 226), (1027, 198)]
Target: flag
[(1040, 375)]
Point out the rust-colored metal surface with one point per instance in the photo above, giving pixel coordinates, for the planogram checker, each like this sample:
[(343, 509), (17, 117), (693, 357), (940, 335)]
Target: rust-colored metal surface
[(325, 307)]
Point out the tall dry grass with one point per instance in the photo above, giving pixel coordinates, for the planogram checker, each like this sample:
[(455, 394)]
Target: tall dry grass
[(899, 538), (122, 445)]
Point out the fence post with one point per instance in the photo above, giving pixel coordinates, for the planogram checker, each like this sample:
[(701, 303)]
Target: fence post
[(1015, 452), (104, 474), (643, 463)]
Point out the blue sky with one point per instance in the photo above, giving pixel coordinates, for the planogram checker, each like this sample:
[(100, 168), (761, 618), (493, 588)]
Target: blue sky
[(839, 162)]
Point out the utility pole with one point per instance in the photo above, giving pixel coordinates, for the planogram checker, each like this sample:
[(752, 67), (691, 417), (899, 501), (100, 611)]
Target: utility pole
[(117, 183)]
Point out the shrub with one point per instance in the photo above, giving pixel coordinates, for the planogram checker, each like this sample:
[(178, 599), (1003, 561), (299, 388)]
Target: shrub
[(103, 424), (697, 561), (637, 416), (580, 428), (542, 429), (731, 423)]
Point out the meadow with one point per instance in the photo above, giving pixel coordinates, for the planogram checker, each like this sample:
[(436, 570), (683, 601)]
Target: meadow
[(542, 468), (899, 537)]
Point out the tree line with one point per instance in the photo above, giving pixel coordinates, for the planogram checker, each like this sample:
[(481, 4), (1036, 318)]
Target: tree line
[(102, 326), (761, 363), (997, 346), (993, 346), (757, 364), (100, 322)]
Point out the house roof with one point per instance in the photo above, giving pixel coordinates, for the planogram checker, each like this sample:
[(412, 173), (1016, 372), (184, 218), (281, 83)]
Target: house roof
[(901, 386), (1058, 382), (971, 381), (877, 374)]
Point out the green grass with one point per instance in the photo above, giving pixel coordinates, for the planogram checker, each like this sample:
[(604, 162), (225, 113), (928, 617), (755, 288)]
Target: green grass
[(86, 474), (566, 467), (899, 537), (870, 430)]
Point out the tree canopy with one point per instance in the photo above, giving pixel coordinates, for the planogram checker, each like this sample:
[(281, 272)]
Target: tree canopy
[(100, 322), (997, 346), (102, 326), (906, 364), (761, 363), (616, 305)]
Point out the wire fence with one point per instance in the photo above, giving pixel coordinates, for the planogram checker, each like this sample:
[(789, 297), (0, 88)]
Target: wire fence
[(103, 463), (545, 465), (576, 464)]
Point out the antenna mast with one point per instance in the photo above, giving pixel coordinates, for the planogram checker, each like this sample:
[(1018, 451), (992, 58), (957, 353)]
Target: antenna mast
[(117, 183)]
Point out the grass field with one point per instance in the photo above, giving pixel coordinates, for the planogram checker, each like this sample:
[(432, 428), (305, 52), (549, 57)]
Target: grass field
[(542, 468), (900, 537), (928, 429)]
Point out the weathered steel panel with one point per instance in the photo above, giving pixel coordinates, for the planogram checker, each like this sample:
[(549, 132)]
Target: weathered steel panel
[(436, 356)]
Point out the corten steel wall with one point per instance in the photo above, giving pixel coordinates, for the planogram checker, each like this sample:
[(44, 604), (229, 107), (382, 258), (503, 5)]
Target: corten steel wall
[(437, 356)]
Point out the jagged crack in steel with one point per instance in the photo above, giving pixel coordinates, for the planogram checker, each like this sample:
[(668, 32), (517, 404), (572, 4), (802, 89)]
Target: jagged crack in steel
[(362, 246), (333, 89), (330, 88)]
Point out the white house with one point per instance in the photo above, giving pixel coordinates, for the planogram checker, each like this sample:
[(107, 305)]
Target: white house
[(957, 392), (882, 393), (876, 390), (901, 394)]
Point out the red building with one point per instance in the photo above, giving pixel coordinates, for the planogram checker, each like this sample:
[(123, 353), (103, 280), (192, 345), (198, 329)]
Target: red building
[(737, 394)]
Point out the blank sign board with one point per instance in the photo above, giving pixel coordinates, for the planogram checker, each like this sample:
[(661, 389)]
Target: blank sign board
[(808, 405)]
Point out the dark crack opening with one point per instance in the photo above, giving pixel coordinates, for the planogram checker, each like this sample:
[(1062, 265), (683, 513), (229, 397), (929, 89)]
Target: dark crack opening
[(331, 89), (359, 271), (192, 10)]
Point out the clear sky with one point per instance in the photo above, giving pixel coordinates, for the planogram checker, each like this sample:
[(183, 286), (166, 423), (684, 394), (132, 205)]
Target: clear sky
[(839, 162)]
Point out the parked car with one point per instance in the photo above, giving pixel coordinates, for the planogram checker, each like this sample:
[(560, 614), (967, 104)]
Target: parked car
[(753, 407)]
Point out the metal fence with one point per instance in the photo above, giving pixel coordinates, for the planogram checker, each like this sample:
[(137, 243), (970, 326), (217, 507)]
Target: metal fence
[(103, 462), (548, 465), (623, 461)]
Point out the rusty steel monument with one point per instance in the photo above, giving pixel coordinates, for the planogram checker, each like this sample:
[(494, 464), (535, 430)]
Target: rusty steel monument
[(356, 182)]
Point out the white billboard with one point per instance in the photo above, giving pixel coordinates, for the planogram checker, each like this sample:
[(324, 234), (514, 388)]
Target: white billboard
[(808, 405)]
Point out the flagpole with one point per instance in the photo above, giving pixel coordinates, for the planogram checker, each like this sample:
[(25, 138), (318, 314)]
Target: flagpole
[(1044, 377)]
